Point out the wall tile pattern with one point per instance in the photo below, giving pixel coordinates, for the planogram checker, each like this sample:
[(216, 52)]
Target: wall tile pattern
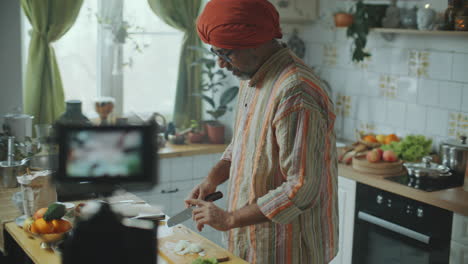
[(411, 85)]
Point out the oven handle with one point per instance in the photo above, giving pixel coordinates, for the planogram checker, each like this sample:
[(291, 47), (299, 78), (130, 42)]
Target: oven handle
[(394, 227)]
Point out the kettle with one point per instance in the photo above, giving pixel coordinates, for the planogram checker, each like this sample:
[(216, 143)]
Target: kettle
[(18, 125), (454, 154)]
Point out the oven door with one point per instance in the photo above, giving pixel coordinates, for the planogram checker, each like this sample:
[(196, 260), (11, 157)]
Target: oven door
[(379, 241)]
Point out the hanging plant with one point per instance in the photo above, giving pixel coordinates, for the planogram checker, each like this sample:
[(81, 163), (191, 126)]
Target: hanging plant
[(358, 31)]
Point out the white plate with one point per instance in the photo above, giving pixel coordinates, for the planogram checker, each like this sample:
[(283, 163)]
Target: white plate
[(20, 220)]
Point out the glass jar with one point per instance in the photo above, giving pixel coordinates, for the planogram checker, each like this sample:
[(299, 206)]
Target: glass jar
[(451, 12), (73, 114), (461, 18)]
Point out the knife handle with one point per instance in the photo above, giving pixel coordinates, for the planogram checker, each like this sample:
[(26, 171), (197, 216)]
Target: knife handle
[(213, 196)]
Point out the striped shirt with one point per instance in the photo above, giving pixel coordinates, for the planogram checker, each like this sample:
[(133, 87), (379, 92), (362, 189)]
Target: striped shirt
[(283, 157)]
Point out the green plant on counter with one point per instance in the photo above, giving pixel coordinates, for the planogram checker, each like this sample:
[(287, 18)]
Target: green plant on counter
[(358, 31), (200, 260), (213, 82), (195, 126), (411, 148)]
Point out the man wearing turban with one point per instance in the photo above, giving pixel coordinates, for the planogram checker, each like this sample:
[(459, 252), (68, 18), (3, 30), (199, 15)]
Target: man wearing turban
[(281, 163)]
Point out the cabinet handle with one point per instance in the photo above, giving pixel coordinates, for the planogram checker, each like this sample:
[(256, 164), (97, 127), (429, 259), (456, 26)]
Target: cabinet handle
[(170, 191)]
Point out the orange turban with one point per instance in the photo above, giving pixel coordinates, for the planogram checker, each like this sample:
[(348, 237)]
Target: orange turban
[(238, 24)]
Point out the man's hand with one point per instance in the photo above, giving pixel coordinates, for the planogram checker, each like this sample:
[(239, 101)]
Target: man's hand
[(201, 191), (218, 174), (207, 213)]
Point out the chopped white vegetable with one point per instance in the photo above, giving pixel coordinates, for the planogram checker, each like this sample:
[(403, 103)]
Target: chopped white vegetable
[(181, 245), (186, 247), (194, 248)]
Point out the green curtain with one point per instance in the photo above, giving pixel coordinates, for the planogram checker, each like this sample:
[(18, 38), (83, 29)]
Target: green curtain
[(182, 14), (43, 92)]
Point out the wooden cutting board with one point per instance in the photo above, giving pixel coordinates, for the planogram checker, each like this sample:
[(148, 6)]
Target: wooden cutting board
[(383, 168), (211, 249)]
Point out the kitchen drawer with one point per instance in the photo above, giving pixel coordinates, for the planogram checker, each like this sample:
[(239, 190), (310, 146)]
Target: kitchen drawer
[(460, 229)]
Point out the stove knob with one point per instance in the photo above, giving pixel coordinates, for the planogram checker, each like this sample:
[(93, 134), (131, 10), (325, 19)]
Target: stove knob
[(409, 209), (420, 212), (389, 202), (379, 199)]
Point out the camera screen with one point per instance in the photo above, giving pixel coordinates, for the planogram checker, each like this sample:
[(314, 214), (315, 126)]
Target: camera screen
[(104, 153), (108, 155)]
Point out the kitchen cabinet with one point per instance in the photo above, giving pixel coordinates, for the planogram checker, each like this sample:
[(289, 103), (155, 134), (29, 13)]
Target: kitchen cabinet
[(296, 11), (346, 206), (458, 253), (177, 176), (459, 243)]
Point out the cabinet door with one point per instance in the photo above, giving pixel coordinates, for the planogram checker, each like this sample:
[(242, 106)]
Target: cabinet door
[(458, 253), (460, 229), (296, 11), (346, 205)]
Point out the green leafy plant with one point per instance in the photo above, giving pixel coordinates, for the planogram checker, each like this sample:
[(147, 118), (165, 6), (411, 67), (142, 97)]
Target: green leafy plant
[(411, 148), (358, 31), (214, 81), (195, 126)]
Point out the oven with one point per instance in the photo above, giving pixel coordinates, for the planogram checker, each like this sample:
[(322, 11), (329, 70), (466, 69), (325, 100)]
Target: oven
[(391, 229)]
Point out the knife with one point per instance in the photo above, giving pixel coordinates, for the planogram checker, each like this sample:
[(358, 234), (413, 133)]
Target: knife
[(187, 212)]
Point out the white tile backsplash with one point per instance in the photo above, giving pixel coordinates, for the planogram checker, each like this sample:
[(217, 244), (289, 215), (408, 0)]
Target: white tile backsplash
[(407, 89), (440, 65), (426, 79), (465, 98), (395, 113), (460, 67), (377, 110), (436, 121), (428, 92), (416, 118), (450, 95)]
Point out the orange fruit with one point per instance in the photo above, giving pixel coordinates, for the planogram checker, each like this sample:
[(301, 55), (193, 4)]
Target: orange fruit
[(34, 229), (391, 138), (43, 226), (39, 213), (370, 138), (61, 225)]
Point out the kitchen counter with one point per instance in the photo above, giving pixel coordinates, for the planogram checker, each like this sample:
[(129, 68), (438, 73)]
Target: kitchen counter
[(172, 151), (31, 245), (454, 199)]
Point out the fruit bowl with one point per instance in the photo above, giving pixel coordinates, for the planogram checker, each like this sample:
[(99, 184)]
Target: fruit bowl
[(50, 238)]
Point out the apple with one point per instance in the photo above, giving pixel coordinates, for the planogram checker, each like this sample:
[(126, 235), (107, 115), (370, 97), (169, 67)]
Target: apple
[(373, 156), (380, 151), (389, 156)]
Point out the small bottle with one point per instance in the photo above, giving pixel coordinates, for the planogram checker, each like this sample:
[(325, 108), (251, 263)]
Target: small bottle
[(451, 12), (461, 17), (73, 114)]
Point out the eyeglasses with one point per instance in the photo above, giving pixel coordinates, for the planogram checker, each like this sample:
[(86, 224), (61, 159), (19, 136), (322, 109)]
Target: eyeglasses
[(224, 56)]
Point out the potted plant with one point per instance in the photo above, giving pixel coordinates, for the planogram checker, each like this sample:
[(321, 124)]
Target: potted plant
[(196, 134), (359, 30), (214, 82), (343, 18)]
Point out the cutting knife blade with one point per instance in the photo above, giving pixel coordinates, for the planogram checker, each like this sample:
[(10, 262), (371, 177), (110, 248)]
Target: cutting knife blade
[(187, 212)]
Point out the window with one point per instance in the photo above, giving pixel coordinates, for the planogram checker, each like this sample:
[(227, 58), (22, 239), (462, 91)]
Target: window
[(140, 72)]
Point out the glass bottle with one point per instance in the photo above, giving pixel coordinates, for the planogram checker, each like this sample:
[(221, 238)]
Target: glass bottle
[(73, 114), (461, 18), (451, 12)]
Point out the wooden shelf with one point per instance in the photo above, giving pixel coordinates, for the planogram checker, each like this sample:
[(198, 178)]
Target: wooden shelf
[(420, 32)]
